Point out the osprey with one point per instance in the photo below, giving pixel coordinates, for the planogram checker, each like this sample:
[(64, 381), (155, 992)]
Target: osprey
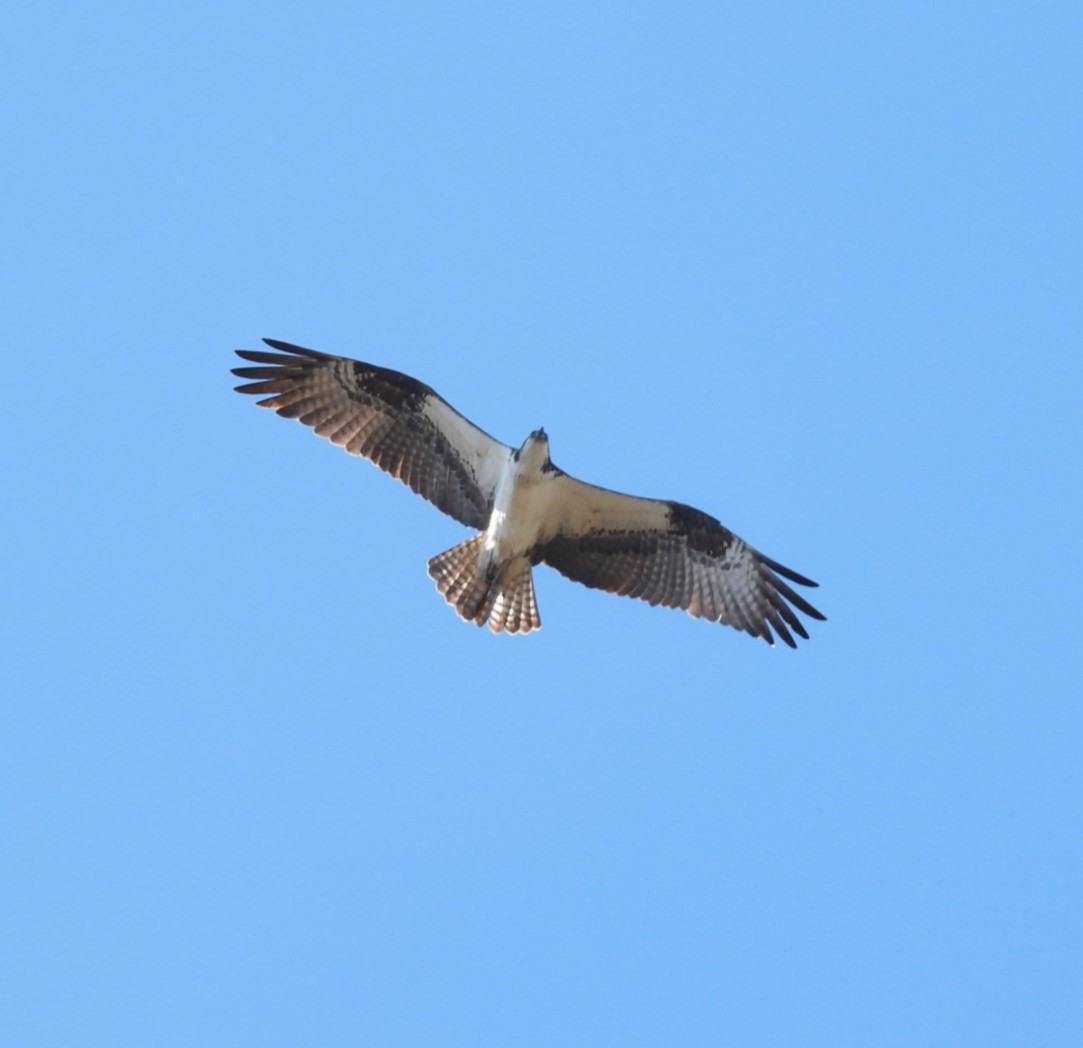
[(526, 510)]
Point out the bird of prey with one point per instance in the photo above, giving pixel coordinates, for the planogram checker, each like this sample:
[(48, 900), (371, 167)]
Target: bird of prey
[(526, 511)]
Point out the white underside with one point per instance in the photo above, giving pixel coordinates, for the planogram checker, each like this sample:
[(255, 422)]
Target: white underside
[(525, 510), (532, 506)]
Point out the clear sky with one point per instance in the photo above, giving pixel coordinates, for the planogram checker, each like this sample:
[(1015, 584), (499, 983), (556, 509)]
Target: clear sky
[(814, 268)]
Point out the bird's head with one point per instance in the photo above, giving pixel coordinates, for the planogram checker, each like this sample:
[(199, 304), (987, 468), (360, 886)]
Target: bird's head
[(535, 449)]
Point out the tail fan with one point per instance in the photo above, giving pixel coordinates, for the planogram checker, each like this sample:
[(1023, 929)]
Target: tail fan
[(504, 601)]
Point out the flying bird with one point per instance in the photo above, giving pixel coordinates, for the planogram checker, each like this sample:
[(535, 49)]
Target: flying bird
[(526, 511)]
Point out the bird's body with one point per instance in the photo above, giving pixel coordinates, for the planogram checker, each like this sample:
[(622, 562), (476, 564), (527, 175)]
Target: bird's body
[(523, 503), (526, 510)]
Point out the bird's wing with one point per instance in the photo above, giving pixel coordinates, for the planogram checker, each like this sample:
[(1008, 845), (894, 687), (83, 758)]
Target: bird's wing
[(393, 420), (668, 553)]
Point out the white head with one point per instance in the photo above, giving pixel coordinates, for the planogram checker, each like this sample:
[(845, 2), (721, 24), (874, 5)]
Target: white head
[(535, 450)]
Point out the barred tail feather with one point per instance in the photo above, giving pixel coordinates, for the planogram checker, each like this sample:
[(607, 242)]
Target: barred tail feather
[(504, 602), (513, 606), (459, 578)]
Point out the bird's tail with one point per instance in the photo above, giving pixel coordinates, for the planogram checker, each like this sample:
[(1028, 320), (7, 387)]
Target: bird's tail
[(503, 599)]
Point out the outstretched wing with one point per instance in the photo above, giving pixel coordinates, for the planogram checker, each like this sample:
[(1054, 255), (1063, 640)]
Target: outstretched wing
[(393, 420), (668, 553)]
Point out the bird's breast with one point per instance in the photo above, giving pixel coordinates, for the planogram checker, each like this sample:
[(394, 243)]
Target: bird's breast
[(521, 516)]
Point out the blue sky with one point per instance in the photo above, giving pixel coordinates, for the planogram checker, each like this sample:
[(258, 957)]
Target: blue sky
[(814, 268)]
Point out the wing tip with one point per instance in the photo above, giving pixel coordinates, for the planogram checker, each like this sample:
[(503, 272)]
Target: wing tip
[(295, 350), (287, 354), (787, 573)]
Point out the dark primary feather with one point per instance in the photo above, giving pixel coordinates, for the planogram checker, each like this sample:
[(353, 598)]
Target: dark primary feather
[(395, 421)]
